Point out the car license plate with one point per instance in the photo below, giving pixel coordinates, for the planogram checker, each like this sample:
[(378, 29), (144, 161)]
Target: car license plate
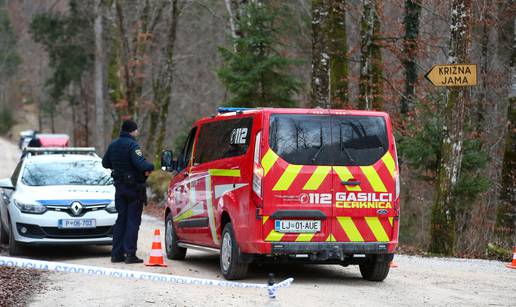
[(297, 225), (78, 223)]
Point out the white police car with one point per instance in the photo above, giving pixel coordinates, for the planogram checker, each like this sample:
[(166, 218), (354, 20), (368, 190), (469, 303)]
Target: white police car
[(57, 196)]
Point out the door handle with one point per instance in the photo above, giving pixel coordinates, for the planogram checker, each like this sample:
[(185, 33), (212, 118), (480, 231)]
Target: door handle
[(351, 182)]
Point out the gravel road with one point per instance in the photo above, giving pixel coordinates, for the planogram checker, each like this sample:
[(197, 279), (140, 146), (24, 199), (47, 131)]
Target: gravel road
[(417, 281)]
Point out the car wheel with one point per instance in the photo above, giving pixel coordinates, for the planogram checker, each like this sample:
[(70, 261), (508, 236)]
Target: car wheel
[(231, 263), (174, 252), (4, 236), (375, 270), (15, 248)]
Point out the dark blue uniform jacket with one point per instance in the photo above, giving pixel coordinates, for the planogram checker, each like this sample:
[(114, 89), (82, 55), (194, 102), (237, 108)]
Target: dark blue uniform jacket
[(124, 157)]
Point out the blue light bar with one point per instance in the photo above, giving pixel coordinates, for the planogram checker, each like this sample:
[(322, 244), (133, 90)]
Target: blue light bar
[(231, 109)]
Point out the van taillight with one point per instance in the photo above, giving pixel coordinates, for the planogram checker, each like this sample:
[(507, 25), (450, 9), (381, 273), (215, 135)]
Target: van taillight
[(257, 168)]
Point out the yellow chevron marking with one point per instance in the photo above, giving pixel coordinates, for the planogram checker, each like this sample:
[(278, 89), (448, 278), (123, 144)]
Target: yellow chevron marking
[(317, 178), (350, 229), (344, 175), (183, 215), (224, 172), (264, 219), (391, 219), (268, 161), (305, 237), (374, 179), (288, 176), (330, 238), (274, 236), (377, 229), (389, 162)]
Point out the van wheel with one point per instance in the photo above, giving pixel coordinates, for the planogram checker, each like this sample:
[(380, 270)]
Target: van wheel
[(231, 263), (174, 252), (15, 248), (4, 236), (375, 270)]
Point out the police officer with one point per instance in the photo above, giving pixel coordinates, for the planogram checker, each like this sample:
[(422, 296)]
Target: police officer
[(130, 170)]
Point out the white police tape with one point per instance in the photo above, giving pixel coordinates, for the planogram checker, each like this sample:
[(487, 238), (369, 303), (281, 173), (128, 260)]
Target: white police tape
[(111, 272)]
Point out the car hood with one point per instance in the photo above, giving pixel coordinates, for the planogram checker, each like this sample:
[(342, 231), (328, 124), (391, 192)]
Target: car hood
[(64, 195)]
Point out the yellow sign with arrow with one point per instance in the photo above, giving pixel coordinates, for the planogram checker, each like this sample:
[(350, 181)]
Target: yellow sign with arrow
[(453, 75)]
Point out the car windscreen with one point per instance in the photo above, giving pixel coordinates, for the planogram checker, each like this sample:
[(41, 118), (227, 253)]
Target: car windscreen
[(328, 139), (78, 172)]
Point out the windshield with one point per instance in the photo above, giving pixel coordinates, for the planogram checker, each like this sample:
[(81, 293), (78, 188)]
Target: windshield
[(328, 139), (79, 172)]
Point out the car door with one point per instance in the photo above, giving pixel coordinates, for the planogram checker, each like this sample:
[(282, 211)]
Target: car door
[(7, 195), (182, 192), (297, 181), (363, 179)]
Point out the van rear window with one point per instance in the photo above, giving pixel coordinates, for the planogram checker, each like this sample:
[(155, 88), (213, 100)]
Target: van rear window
[(328, 139)]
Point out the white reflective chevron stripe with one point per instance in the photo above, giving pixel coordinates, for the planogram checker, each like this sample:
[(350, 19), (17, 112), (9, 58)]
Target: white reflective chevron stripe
[(211, 216), (221, 189), (157, 239)]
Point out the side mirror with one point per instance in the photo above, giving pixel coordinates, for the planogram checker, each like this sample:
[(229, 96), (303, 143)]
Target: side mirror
[(6, 184), (167, 161)]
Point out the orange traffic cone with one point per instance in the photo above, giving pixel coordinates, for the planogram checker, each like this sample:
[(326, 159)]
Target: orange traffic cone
[(393, 264), (512, 265), (156, 256)]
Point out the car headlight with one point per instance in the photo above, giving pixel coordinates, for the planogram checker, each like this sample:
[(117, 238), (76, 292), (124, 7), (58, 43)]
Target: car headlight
[(30, 208), (111, 207)]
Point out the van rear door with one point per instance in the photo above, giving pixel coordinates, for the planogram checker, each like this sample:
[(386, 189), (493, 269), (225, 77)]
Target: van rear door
[(297, 181), (363, 179)]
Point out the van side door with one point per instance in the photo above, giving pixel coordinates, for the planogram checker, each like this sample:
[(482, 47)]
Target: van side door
[(181, 186)]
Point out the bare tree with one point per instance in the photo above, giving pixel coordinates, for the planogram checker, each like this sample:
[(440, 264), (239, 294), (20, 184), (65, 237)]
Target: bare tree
[(410, 47), (371, 79), (99, 77)]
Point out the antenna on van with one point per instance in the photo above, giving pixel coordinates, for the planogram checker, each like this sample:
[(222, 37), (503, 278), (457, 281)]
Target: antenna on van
[(222, 110)]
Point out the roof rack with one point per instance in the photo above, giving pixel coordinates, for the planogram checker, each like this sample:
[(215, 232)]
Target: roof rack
[(222, 110), (58, 150)]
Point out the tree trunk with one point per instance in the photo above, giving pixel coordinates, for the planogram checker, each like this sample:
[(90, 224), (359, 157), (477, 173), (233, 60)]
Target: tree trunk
[(371, 79), (410, 48), (339, 63), (320, 54), (506, 214), (99, 78), (165, 103), (443, 224)]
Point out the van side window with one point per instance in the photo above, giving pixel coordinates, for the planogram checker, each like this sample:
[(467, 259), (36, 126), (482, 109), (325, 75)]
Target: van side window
[(223, 139), (187, 149)]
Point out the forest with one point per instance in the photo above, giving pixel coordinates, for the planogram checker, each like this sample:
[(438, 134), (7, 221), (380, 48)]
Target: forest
[(81, 67)]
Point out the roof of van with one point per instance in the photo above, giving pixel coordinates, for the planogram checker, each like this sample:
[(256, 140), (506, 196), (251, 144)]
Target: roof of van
[(247, 111)]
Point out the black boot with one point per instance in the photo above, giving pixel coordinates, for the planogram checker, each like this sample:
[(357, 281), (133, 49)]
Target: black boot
[(131, 258), (116, 259)]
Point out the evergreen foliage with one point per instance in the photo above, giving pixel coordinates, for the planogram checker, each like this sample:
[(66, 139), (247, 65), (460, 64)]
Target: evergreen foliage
[(69, 41), (255, 74), (421, 149)]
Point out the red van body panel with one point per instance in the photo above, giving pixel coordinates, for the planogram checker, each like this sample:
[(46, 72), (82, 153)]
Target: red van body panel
[(352, 208)]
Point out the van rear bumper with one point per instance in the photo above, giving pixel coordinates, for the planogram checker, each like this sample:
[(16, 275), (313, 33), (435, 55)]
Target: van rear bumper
[(285, 248)]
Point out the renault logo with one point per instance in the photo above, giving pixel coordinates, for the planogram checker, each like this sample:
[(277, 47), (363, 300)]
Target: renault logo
[(76, 208)]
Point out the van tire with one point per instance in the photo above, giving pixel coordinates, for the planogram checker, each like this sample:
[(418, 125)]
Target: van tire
[(174, 252), (15, 248), (232, 265), (375, 270)]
